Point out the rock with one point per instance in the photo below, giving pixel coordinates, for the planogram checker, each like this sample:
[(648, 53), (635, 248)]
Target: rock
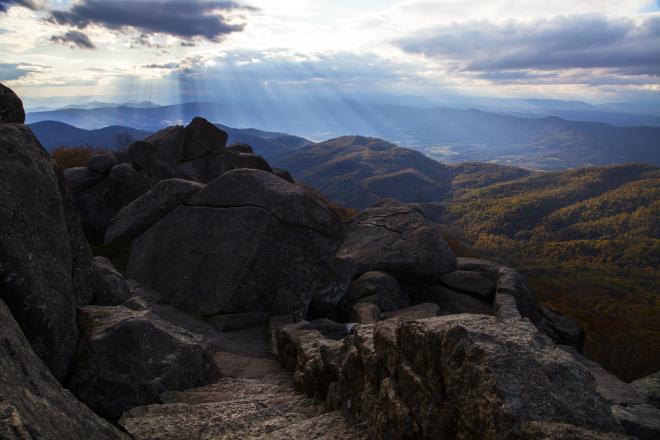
[(138, 216), (449, 301), (241, 148), (100, 203), (207, 168), (127, 358), (33, 405), (223, 252), (396, 238), (11, 107), (453, 377), (136, 303), (639, 418), (332, 287), (237, 321), (472, 283), (562, 329), (420, 311), (329, 329), (254, 161), (202, 138), (81, 178), (487, 268), (364, 313), (377, 288), (283, 174), (102, 163), (512, 283), (112, 289), (37, 248), (649, 388)]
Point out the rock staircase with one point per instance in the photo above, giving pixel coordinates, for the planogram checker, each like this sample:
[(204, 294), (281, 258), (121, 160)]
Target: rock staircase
[(239, 408), (255, 399)]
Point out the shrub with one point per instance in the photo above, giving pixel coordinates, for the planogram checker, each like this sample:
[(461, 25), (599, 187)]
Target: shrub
[(70, 157)]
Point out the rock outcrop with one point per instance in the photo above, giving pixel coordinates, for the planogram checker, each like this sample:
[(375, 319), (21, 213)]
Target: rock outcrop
[(139, 215), (128, 358), (33, 405), (396, 238), (100, 197), (11, 107), (468, 386), (45, 262), (224, 251)]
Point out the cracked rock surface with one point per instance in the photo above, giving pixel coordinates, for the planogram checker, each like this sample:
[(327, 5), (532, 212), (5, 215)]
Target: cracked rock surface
[(223, 251), (398, 239)]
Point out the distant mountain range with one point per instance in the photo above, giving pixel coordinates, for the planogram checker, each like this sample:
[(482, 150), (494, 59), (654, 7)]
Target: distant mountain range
[(54, 134), (448, 134)]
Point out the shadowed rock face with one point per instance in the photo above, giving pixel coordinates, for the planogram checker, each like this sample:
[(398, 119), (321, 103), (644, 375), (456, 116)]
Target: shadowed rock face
[(11, 107), (128, 358), (249, 241), (45, 263), (139, 215), (33, 405), (396, 238)]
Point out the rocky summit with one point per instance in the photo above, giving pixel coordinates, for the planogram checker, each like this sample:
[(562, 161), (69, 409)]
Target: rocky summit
[(229, 302)]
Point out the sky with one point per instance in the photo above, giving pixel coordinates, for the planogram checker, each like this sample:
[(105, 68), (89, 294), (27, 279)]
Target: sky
[(171, 51)]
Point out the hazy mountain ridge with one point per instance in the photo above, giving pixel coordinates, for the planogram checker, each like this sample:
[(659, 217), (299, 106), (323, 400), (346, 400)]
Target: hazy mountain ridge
[(54, 134), (447, 134)]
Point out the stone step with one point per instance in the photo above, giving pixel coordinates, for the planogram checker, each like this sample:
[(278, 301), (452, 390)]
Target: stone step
[(219, 420), (328, 426)]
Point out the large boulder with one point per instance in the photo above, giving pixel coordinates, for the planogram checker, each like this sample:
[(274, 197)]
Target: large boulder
[(11, 107), (139, 215), (225, 250), (129, 358), (33, 405), (100, 202), (396, 238), (377, 288), (45, 262), (197, 152)]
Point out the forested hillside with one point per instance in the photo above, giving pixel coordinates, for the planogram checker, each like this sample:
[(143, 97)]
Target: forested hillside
[(589, 239)]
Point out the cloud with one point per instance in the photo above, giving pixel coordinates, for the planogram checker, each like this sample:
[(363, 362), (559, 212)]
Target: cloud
[(12, 71), (30, 4), (186, 19), (564, 42), (74, 39)]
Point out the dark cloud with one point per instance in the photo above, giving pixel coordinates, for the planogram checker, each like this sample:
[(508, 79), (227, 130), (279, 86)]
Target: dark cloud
[(30, 4), (576, 42), (187, 19), (74, 39)]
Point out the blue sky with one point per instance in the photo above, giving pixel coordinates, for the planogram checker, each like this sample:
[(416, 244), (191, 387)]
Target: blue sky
[(183, 50)]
